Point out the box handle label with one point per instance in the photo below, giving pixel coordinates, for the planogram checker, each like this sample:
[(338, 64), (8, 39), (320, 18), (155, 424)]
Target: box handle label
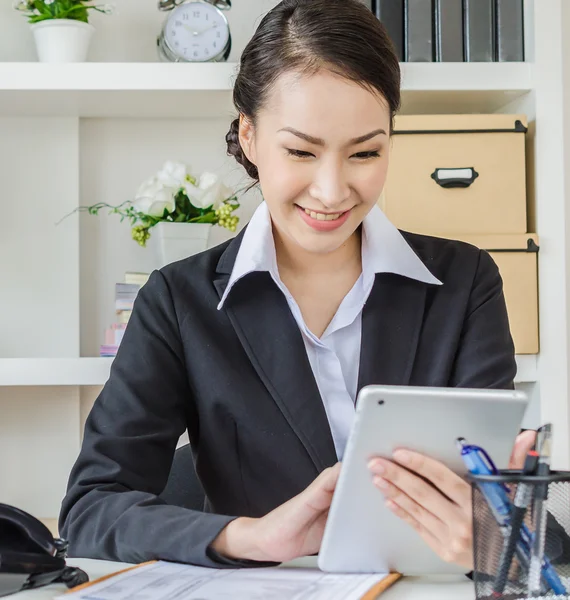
[(455, 178)]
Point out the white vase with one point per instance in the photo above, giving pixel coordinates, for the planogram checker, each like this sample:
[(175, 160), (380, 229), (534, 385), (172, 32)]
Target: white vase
[(175, 241), (62, 40)]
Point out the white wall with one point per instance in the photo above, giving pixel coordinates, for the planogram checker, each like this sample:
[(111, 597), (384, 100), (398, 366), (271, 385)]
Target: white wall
[(38, 262), (128, 35)]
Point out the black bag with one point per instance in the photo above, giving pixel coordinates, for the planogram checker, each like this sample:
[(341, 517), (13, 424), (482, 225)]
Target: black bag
[(30, 556)]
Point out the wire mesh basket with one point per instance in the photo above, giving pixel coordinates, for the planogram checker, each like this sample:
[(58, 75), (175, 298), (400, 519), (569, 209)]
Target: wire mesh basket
[(509, 566)]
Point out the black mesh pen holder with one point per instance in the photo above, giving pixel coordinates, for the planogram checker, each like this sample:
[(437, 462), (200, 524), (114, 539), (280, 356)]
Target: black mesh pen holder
[(507, 567)]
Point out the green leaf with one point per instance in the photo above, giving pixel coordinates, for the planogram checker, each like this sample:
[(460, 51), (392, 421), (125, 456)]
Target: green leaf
[(208, 218)]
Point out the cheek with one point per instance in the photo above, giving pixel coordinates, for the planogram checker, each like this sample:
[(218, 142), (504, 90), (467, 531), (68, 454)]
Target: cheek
[(282, 181), (371, 183)]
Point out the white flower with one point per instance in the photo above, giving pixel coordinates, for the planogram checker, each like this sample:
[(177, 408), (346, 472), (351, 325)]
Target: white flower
[(153, 197), (48, 2), (109, 9), (210, 191), (21, 5), (194, 194), (172, 174)]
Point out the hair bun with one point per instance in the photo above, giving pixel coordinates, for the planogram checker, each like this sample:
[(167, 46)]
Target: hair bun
[(235, 150)]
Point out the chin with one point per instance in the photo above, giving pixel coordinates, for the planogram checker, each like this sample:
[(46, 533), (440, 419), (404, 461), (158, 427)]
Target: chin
[(321, 243)]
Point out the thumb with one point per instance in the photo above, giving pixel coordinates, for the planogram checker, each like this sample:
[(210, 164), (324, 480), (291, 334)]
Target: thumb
[(321, 491), (523, 444)]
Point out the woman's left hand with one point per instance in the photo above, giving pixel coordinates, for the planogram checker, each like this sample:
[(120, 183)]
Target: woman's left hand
[(440, 513)]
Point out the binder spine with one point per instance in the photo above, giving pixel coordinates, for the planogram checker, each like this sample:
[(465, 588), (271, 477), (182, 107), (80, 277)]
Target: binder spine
[(448, 20), (479, 28), (391, 14), (419, 30), (510, 30)]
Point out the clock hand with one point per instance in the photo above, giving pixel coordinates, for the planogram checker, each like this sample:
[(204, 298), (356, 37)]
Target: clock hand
[(188, 28), (207, 29)]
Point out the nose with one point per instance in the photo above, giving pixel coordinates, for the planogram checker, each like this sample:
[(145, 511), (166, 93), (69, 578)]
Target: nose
[(330, 183)]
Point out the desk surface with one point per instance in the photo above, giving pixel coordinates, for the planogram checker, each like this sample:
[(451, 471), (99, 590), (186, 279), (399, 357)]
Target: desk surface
[(409, 588)]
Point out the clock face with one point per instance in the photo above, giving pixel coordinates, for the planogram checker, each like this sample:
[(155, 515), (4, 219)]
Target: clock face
[(197, 31)]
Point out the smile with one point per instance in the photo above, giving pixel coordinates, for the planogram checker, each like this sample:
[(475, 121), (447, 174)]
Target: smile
[(323, 222), (323, 216)]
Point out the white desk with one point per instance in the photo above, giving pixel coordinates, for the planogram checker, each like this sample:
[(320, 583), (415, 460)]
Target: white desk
[(409, 588)]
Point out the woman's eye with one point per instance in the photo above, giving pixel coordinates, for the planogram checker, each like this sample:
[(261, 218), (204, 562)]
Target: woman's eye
[(298, 153), (364, 155)]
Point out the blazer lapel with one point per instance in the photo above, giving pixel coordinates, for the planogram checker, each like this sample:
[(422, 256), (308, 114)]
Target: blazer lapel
[(391, 324), (271, 338)]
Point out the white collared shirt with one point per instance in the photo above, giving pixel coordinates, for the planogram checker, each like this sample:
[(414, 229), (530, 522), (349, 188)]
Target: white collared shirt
[(332, 356)]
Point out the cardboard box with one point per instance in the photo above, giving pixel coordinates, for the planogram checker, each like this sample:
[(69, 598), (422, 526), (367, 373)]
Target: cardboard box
[(457, 174), (517, 259)]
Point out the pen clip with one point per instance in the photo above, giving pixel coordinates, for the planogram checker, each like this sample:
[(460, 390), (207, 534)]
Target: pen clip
[(488, 459)]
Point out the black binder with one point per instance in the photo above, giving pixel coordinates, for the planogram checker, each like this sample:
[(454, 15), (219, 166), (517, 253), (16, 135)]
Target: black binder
[(448, 20), (391, 14), (479, 27), (510, 30), (419, 34)]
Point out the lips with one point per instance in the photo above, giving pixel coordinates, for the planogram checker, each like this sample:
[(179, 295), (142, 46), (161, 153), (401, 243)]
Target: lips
[(320, 221)]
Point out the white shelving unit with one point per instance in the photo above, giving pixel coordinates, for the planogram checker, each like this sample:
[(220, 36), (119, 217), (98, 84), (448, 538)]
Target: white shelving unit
[(94, 131), (95, 371), (54, 371), (153, 90)]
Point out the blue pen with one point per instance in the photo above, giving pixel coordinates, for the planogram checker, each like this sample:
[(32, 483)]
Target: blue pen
[(478, 462)]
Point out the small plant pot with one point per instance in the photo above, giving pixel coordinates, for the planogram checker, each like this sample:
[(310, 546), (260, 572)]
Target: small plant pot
[(62, 40)]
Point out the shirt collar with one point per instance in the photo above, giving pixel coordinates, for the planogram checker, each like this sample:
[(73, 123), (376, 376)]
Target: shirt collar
[(384, 250)]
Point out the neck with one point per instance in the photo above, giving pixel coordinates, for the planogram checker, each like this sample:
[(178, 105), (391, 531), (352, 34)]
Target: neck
[(293, 259)]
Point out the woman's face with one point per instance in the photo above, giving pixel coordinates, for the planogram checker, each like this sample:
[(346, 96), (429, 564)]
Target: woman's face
[(318, 178)]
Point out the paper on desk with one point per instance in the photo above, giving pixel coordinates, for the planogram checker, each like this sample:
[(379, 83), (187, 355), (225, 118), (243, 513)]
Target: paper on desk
[(172, 581)]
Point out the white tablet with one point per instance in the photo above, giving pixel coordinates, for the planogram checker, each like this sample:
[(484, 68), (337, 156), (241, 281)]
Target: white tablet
[(361, 534)]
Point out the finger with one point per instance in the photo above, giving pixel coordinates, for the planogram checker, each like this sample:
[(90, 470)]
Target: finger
[(416, 488), (453, 486), (424, 533), (423, 516), (523, 444), (451, 551)]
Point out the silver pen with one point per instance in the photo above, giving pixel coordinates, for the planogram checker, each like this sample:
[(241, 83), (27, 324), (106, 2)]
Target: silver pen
[(543, 447)]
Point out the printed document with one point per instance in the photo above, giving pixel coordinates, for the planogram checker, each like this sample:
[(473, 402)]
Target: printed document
[(173, 581)]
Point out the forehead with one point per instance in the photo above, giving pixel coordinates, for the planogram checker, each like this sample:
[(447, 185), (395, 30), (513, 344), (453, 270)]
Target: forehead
[(325, 105)]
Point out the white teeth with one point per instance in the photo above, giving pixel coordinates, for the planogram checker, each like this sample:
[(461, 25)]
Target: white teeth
[(322, 216)]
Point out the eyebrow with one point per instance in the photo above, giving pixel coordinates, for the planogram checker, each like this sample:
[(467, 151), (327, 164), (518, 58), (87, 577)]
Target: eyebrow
[(321, 142)]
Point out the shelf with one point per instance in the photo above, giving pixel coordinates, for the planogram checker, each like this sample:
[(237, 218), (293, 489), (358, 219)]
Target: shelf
[(526, 368), (440, 88), (54, 371), (95, 371), (168, 90)]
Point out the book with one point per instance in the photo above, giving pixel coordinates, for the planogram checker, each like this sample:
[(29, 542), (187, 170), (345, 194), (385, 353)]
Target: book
[(418, 23), (108, 350), (448, 21), (136, 278), (479, 28), (509, 30), (125, 295), (391, 15), (124, 315), (167, 580), (114, 334)]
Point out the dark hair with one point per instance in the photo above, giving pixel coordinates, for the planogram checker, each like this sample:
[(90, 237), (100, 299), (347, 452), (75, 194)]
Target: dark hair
[(341, 36)]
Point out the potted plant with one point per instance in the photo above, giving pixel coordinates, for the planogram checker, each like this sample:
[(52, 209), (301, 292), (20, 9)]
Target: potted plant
[(61, 28), (179, 208)]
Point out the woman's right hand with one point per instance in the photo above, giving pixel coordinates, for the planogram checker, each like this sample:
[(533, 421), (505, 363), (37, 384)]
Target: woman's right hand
[(291, 530)]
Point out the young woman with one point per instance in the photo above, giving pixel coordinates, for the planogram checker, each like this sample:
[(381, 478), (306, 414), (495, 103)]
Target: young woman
[(259, 346)]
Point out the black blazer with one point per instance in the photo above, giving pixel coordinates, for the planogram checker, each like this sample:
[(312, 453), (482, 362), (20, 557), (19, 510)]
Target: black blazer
[(240, 381)]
